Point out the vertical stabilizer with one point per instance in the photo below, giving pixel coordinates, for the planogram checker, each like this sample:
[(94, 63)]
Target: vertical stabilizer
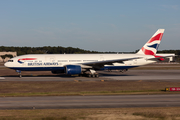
[(151, 47)]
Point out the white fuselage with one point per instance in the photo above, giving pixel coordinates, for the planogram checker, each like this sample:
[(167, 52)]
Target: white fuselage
[(50, 62)]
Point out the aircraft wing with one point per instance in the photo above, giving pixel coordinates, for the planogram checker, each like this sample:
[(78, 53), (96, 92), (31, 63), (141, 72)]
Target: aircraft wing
[(108, 62)]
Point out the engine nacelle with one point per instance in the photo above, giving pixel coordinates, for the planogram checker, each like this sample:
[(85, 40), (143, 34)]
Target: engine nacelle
[(57, 71), (73, 69)]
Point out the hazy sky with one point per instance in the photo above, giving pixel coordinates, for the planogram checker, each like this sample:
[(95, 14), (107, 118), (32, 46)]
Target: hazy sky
[(100, 25)]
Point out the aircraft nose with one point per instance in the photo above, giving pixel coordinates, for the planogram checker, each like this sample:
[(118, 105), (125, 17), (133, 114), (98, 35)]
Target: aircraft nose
[(6, 64)]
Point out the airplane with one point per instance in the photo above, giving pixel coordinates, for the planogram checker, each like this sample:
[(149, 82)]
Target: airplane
[(88, 64)]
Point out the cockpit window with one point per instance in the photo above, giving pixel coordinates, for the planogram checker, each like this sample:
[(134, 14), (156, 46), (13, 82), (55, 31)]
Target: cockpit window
[(10, 60)]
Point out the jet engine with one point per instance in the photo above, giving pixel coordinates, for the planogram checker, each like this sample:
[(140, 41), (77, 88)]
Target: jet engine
[(73, 69)]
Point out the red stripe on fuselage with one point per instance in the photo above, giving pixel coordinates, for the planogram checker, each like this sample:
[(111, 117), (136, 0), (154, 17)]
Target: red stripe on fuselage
[(27, 59)]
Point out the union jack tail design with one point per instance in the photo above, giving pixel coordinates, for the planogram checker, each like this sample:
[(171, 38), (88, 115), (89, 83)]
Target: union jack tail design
[(151, 47)]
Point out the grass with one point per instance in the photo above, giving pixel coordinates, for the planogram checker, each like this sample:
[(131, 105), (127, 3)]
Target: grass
[(81, 93), (62, 88), (152, 114), (167, 113)]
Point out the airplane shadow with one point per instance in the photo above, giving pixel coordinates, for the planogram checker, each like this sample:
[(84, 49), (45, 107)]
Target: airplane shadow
[(106, 75), (64, 76)]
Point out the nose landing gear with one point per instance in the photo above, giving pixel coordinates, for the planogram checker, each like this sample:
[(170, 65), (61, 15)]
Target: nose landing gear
[(19, 72)]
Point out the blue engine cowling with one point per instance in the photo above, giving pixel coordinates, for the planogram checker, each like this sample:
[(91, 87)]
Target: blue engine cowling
[(73, 69)]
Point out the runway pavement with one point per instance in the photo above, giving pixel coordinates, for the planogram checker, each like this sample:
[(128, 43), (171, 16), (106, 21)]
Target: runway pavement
[(57, 102), (146, 75), (167, 75)]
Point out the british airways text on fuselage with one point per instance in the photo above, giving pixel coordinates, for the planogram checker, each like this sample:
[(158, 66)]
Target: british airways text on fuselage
[(41, 64)]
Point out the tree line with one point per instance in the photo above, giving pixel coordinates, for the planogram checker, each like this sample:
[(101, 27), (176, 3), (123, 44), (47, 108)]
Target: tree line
[(44, 50), (61, 50), (177, 52)]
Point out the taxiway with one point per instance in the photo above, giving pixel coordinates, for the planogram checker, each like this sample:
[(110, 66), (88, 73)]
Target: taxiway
[(57, 102)]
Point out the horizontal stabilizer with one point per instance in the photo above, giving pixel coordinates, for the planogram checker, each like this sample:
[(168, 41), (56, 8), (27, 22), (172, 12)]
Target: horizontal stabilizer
[(160, 58)]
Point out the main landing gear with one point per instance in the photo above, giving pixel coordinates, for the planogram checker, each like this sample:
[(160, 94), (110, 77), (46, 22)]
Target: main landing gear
[(124, 70), (90, 73), (93, 73)]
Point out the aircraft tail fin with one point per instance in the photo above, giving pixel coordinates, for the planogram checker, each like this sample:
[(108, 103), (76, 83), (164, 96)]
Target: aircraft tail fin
[(151, 47)]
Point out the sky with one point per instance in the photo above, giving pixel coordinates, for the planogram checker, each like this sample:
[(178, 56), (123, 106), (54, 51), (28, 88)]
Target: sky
[(95, 25)]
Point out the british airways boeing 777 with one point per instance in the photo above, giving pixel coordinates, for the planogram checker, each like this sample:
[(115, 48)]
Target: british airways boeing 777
[(88, 63)]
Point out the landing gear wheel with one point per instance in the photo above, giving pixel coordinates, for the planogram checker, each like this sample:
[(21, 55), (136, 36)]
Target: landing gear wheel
[(97, 75), (93, 75), (89, 75), (20, 75)]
